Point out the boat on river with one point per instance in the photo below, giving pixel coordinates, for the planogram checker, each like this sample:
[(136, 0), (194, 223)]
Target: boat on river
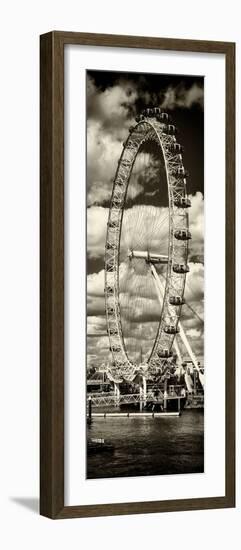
[(99, 445)]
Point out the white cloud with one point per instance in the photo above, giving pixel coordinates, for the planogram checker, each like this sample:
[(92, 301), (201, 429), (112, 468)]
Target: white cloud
[(95, 284), (194, 289), (95, 305), (97, 217), (95, 294), (180, 96), (96, 324), (109, 118), (114, 106), (196, 224), (103, 152), (194, 333)]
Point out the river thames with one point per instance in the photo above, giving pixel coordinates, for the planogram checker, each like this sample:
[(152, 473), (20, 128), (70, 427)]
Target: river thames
[(148, 446)]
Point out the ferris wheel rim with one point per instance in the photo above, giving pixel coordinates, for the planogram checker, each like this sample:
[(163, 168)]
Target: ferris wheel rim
[(148, 129)]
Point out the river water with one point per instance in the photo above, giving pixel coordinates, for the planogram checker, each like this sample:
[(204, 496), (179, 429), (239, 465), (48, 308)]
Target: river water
[(148, 446)]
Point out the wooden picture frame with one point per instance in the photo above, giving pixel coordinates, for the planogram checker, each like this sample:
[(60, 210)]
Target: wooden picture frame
[(52, 274)]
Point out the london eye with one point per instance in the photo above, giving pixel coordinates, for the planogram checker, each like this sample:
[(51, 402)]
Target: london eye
[(146, 251)]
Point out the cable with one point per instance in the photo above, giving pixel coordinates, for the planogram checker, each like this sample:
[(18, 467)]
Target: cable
[(195, 313)]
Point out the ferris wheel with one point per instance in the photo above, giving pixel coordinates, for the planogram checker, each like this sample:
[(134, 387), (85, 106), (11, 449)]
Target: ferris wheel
[(145, 273)]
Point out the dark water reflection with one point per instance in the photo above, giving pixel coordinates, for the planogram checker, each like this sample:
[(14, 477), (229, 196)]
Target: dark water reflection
[(148, 446)]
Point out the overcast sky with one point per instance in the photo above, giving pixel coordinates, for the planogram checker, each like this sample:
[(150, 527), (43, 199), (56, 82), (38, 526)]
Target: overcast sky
[(113, 100)]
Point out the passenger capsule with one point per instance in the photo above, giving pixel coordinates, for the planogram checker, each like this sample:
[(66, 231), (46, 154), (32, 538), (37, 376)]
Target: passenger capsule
[(171, 329), (176, 300), (149, 112), (180, 268), (176, 148), (170, 129), (181, 172), (164, 353), (156, 111), (182, 202), (182, 234), (163, 117)]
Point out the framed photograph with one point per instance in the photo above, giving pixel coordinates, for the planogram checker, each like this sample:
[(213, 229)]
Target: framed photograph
[(137, 275)]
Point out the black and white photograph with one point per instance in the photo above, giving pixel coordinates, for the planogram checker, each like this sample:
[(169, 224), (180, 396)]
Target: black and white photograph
[(144, 274)]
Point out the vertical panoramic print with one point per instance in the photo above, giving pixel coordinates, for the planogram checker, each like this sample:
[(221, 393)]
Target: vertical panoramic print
[(145, 274)]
